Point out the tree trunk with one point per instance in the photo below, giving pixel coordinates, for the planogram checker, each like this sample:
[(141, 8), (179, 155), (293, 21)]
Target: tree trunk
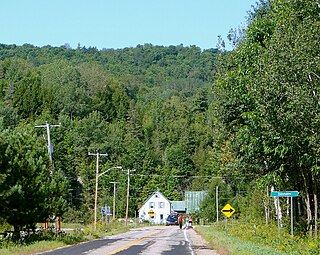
[(309, 213), (266, 210), (315, 214), (266, 207), (278, 208), (315, 201), (307, 202)]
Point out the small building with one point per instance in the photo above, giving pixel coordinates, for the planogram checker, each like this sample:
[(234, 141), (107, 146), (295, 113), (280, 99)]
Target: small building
[(179, 206), (155, 209), (193, 200)]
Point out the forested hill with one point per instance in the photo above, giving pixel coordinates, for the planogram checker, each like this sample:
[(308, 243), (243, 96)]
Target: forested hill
[(149, 64), (146, 107)]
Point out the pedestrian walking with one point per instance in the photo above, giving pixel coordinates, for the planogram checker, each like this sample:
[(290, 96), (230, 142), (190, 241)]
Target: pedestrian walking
[(190, 222), (186, 226), (180, 220)]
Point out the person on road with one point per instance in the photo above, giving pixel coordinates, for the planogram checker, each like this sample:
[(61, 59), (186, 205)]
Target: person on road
[(186, 226), (190, 222), (180, 220)]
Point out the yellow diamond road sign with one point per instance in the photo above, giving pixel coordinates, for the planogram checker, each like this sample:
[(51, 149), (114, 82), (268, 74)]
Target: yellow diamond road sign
[(227, 210)]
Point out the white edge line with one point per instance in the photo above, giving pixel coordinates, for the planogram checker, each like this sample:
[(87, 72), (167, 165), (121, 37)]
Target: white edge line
[(187, 239)]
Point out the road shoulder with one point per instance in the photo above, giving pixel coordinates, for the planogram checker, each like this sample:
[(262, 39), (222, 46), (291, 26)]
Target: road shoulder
[(198, 244)]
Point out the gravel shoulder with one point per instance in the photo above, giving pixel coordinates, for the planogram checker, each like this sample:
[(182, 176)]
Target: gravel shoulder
[(198, 244)]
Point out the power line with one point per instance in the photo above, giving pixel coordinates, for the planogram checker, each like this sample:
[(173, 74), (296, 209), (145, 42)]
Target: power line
[(179, 176)]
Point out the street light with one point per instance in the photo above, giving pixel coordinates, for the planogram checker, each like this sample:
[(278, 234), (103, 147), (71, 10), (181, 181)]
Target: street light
[(96, 193)]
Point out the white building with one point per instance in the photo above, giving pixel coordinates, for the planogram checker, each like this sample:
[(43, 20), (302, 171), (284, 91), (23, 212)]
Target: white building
[(155, 209)]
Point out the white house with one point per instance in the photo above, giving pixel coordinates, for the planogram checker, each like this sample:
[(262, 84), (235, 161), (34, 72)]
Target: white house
[(155, 209)]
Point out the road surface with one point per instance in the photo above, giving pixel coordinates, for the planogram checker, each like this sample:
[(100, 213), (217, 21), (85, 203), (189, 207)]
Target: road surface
[(153, 240)]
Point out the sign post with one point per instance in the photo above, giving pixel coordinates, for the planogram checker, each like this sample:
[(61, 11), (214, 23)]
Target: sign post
[(227, 210), (290, 194)]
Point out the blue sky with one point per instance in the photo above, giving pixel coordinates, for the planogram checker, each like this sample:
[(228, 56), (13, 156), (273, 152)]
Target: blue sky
[(120, 23)]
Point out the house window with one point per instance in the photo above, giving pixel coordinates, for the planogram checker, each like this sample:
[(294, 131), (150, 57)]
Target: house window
[(151, 205), (161, 204)]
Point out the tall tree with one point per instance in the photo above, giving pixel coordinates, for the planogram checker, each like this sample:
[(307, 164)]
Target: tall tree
[(28, 193), (267, 88)]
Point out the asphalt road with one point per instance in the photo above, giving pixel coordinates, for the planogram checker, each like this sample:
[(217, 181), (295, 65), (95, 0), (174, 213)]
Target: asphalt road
[(164, 240)]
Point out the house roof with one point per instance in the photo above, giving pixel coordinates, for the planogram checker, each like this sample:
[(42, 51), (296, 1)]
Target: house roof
[(154, 193), (179, 206)]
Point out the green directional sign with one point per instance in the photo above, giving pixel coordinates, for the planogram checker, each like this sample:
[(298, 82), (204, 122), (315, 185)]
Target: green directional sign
[(284, 193)]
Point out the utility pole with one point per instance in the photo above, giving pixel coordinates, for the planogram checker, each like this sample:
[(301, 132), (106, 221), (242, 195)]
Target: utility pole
[(50, 150), (50, 147), (128, 189), (96, 190), (217, 203), (114, 201)]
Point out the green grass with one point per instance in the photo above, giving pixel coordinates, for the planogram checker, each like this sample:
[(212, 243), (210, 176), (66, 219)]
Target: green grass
[(250, 239), (14, 249)]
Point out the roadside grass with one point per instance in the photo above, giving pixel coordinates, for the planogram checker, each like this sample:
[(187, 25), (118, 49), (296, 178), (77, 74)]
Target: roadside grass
[(37, 247), (48, 240), (249, 239)]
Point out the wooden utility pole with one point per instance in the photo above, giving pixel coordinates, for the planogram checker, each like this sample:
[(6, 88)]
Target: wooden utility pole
[(96, 190), (128, 189)]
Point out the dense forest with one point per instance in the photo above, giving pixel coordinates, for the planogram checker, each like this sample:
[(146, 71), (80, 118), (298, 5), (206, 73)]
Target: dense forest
[(183, 118)]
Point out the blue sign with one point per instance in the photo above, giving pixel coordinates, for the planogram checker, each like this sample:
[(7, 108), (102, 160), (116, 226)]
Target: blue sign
[(284, 193), (105, 210)]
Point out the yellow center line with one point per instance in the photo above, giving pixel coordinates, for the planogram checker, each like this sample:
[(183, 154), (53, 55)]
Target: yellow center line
[(127, 246)]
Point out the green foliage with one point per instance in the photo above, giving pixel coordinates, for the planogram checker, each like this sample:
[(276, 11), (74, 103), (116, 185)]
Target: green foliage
[(26, 98), (76, 236), (266, 93), (28, 193)]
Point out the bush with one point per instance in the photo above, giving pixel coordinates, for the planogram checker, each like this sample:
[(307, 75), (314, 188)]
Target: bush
[(76, 236), (73, 216)]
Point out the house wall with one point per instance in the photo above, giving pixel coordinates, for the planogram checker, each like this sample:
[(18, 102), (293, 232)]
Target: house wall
[(160, 206)]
